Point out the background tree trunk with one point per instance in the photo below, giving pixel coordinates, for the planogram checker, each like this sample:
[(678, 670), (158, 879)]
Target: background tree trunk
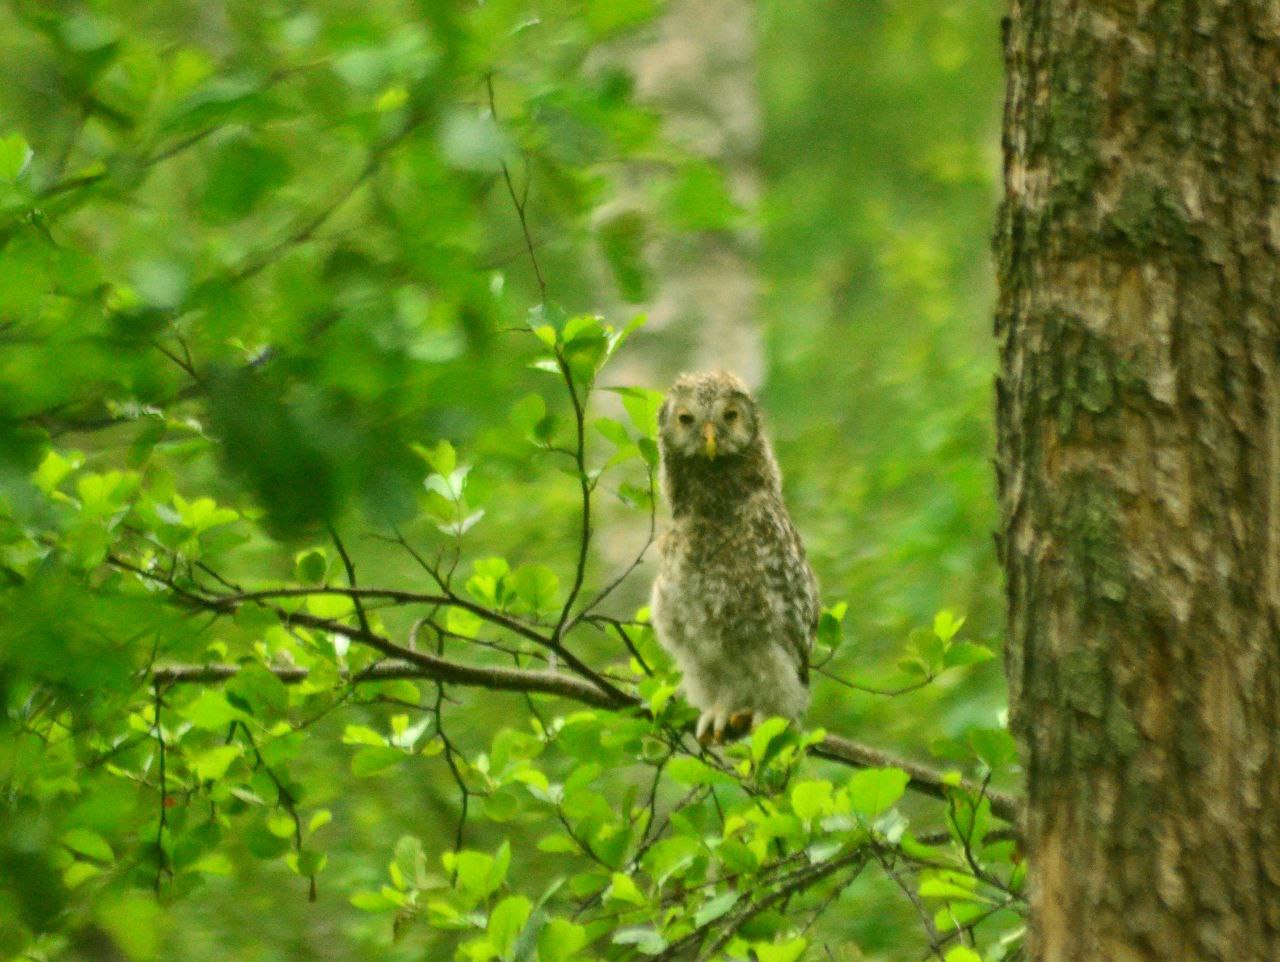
[(696, 66), (1139, 470)]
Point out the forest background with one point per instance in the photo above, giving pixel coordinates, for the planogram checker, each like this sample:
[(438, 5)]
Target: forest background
[(256, 252)]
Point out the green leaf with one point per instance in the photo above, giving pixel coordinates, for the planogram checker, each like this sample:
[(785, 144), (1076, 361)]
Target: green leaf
[(559, 940), (55, 468), (311, 566), (670, 857), (330, 606), (536, 586), (715, 908), (202, 514), (688, 770), (212, 764), (642, 406), (375, 760), (623, 889), (442, 458), (614, 432), (372, 902), (241, 173), (582, 326), (502, 805), (487, 583), (780, 952), (606, 17), (505, 922), (622, 239), (308, 861), (557, 842), (212, 712), (501, 862), (77, 873), (259, 689), (943, 884), (263, 843), (994, 746), (946, 624), (957, 913), (89, 844), (960, 953), (830, 631), (212, 863), (480, 873), (527, 413), (470, 140), (362, 735), (875, 790), (763, 737), (15, 154), (409, 868), (280, 824), (930, 648), (645, 939), (962, 653), (462, 622), (810, 799)]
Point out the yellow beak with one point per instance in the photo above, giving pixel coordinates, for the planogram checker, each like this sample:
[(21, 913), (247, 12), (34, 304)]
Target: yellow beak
[(709, 432)]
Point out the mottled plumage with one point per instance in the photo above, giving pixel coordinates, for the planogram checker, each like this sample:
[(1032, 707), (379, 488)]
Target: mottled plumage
[(735, 602)]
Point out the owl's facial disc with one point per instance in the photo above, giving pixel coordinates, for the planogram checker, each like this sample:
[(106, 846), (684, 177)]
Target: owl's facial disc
[(711, 428)]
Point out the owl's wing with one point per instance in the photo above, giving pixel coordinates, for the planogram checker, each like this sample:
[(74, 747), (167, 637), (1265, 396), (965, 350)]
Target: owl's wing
[(792, 581)]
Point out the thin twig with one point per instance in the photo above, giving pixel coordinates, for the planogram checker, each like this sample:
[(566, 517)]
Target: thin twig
[(871, 690), (608, 589), (162, 858), (520, 202), (286, 799)]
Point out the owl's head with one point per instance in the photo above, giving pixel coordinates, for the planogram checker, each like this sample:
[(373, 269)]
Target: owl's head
[(708, 415)]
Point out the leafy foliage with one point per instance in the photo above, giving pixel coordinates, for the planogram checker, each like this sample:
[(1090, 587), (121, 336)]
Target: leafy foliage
[(302, 475)]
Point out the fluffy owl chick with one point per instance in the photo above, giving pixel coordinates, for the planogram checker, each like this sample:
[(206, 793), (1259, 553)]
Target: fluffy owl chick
[(735, 602)]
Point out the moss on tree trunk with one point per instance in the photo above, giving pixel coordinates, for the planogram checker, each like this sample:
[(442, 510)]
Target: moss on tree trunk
[(1139, 471)]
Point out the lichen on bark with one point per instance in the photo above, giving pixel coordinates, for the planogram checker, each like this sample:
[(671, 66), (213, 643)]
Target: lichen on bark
[(1138, 253)]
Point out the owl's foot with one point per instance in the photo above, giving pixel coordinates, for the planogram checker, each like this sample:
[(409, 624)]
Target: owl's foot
[(741, 723), (711, 723), (717, 726)]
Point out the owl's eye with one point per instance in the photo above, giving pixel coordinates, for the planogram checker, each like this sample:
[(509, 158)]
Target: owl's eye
[(686, 418), (731, 415)]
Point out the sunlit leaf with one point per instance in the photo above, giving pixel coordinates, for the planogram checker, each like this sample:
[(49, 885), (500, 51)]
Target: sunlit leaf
[(874, 790)]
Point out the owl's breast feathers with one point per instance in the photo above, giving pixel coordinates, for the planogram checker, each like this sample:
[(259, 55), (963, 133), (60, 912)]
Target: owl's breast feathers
[(736, 578)]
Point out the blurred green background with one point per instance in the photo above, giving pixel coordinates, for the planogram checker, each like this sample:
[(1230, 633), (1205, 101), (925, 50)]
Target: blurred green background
[(348, 217)]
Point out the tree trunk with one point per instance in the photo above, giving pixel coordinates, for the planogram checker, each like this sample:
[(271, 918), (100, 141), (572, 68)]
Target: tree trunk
[(696, 66), (699, 71), (1139, 471)]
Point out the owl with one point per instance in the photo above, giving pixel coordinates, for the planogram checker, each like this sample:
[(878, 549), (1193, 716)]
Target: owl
[(735, 602)]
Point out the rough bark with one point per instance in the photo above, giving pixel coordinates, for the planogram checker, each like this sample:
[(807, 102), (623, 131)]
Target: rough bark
[(1139, 471)]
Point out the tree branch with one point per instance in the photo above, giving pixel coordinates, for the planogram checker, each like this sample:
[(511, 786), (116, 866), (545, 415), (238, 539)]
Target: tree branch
[(924, 779), (420, 665), (407, 663)]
